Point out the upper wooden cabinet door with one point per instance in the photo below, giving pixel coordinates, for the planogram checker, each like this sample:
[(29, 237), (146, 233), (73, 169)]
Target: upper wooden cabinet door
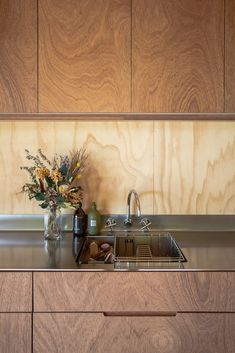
[(84, 55), (18, 56), (178, 55), (230, 56)]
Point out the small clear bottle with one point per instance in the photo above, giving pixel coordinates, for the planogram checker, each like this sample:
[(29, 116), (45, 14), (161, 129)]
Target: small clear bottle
[(94, 220)]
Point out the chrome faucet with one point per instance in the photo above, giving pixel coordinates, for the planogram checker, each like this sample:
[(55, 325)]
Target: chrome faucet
[(128, 220)]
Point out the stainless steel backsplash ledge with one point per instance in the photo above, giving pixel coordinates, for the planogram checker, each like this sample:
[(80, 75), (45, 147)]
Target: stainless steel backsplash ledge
[(29, 222)]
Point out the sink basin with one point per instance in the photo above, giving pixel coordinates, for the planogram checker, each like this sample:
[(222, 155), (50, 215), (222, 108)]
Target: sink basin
[(86, 257), (135, 250), (150, 247)]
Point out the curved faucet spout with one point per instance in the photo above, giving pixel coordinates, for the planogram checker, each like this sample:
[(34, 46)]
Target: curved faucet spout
[(128, 219)]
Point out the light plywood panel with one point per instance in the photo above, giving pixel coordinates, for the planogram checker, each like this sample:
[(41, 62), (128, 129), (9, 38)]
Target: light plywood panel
[(120, 158), (178, 56), (230, 56), (211, 333), (194, 168), (18, 56), (193, 172), (84, 55)]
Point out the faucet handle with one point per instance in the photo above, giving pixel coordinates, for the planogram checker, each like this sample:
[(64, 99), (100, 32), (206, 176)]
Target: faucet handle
[(110, 223), (128, 222), (145, 224)]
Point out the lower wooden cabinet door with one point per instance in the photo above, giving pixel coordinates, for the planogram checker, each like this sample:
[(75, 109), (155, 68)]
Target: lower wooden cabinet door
[(97, 333), (15, 333)]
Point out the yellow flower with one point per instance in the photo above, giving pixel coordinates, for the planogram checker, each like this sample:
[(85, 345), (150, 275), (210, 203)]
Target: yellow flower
[(63, 188), (42, 173), (56, 175), (78, 164), (79, 176)]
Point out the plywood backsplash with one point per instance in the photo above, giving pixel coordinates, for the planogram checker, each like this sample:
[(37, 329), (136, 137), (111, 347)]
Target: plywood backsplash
[(176, 167)]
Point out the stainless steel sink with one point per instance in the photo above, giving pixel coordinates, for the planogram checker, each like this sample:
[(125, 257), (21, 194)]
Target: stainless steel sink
[(136, 250)]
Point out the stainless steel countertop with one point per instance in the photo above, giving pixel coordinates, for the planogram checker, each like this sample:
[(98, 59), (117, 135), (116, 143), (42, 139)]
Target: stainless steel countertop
[(27, 251)]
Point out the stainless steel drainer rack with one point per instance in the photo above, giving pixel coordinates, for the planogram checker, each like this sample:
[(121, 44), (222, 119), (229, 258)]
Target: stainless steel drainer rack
[(152, 247)]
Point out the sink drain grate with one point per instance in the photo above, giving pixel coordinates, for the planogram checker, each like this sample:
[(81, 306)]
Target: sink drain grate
[(143, 252)]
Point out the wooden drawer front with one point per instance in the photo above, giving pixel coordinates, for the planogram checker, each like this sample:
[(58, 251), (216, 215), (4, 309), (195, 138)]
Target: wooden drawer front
[(15, 291), (88, 332), (134, 291), (15, 333)]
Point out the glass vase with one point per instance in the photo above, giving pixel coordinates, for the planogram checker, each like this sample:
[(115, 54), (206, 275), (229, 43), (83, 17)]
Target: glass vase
[(53, 224)]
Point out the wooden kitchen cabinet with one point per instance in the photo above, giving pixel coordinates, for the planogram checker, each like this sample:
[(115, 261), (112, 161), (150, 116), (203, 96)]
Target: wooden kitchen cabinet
[(15, 333), (178, 56), (147, 312), (134, 291), (18, 56), (89, 332), (15, 292), (117, 56), (15, 312), (84, 55), (139, 56)]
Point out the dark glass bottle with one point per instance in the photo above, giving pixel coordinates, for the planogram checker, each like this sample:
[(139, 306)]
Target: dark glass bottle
[(79, 222)]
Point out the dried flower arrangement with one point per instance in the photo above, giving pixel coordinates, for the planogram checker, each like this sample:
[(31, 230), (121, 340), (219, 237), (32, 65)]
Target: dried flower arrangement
[(55, 183)]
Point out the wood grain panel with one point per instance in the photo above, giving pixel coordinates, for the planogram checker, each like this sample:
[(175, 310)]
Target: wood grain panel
[(229, 56), (18, 56), (193, 172), (84, 55), (120, 158), (15, 333), (149, 291), (211, 333), (15, 292), (194, 168), (178, 63)]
